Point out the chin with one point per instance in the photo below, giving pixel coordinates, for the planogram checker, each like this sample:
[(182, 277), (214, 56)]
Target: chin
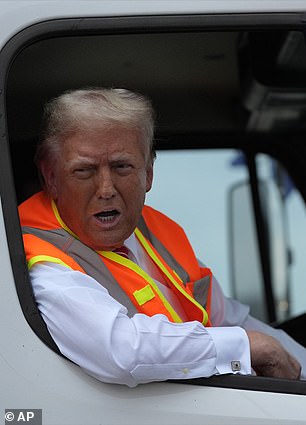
[(105, 247)]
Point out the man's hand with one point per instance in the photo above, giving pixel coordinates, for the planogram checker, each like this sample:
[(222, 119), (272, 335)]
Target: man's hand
[(269, 358)]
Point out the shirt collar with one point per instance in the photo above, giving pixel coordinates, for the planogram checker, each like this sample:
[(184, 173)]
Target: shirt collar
[(132, 244)]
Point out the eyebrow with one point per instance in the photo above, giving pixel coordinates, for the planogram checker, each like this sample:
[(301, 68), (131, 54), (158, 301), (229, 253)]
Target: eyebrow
[(122, 156), (81, 161)]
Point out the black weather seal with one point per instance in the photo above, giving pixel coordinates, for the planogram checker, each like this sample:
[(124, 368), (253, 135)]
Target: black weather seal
[(251, 383)]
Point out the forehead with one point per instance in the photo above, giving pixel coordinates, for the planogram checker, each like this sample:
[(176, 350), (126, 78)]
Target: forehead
[(114, 140)]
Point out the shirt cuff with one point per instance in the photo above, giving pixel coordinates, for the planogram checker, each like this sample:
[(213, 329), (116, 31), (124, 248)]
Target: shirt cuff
[(233, 350)]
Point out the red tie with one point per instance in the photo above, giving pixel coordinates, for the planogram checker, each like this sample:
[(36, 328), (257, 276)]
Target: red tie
[(123, 251)]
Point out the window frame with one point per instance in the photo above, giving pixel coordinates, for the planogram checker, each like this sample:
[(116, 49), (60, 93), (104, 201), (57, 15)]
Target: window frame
[(126, 25)]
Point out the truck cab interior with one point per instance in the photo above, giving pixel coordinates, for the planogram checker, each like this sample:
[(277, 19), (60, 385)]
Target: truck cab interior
[(238, 84)]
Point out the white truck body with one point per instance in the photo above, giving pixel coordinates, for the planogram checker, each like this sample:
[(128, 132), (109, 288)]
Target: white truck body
[(35, 377)]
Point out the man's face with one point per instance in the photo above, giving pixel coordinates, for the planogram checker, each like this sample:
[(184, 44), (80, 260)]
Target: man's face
[(99, 185)]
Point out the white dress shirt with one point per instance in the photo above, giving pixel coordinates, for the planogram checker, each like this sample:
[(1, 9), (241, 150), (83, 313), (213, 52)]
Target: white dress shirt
[(93, 330)]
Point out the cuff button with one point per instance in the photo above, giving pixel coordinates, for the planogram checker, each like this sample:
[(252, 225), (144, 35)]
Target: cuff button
[(236, 366)]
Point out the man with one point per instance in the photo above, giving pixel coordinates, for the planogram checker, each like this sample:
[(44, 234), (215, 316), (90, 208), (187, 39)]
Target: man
[(150, 312)]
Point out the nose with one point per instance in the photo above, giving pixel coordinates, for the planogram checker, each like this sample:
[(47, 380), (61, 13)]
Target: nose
[(105, 185)]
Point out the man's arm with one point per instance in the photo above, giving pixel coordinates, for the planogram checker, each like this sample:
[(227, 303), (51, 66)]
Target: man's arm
[(94, 331)]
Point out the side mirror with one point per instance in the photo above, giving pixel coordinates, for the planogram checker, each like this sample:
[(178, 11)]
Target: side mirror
[(245, 261)]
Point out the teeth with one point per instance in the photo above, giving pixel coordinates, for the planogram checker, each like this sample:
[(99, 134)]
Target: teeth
[(107, 216), (106, 219)]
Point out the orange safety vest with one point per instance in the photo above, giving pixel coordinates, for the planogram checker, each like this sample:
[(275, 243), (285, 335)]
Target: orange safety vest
[(47, 238)]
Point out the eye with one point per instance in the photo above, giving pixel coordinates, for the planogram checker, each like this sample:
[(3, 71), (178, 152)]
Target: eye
[(123, 168), (83, 172)]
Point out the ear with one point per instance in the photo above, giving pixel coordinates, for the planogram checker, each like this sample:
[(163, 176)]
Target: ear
[(48, 174), (149, 177)]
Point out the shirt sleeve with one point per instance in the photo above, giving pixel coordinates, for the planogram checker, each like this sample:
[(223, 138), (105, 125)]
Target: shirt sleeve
[(93, 330)]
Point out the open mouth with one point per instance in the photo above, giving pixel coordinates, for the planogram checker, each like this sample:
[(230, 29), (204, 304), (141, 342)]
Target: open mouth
[(107, 216)]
